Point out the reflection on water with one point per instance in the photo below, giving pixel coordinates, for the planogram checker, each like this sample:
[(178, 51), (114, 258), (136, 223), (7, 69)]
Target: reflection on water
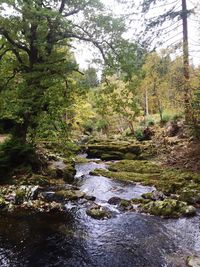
[(73, 239)]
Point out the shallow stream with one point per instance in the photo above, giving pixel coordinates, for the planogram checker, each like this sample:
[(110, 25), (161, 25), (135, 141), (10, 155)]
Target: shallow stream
[(73, 239)]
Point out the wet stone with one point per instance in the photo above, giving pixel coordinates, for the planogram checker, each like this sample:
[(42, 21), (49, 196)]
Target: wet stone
[(114, 200)]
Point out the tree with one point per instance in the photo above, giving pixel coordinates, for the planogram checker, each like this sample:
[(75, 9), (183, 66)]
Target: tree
[(91, 78), (154, 84), (38, 35), (174, 14)]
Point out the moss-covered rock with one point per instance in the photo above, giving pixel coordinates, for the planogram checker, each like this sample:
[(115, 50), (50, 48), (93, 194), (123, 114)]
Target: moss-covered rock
[(185, 185), (138, 201), (79, 159), (20, 196), (168, 208), (98, 212), (113, 150), (155, 195), (68, 194), (64, 169), (190, 195)]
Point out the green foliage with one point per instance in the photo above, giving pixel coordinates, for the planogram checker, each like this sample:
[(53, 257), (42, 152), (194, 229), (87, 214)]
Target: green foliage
[(102, 125), (14, 154), (88, 126), (139, 134), (39, 74), (177, 116), (165, 118), (147, 122)]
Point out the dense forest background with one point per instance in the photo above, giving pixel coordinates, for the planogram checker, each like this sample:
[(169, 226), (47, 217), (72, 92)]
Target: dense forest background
[(46, 97)]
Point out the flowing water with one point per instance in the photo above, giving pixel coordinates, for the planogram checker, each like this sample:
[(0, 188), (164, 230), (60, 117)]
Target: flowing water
[(73, 239)]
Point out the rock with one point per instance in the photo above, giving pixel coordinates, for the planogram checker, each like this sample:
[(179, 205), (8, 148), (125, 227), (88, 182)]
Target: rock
[(98, 212), (190, 211), (193, 261), (49, 196), (155, 195), (68, 194), (191, 196), (168, 208), (112, 150), (114, 200), (126, 204), (2, 203), (64, 169), (25, 193), (91, 198)]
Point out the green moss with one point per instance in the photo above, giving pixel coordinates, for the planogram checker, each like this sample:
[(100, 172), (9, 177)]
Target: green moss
[(138, 201), (98, 213), (69, 194), (20, 196), (138, 166), (126, 176), (112, 150), (169, 181), (125, 203), (81, 160), (168, 208)]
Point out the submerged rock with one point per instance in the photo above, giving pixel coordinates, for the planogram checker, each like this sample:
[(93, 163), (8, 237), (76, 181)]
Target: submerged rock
[(168, 208)]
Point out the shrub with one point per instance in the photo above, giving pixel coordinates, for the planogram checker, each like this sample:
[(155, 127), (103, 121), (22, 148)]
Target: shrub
[(88, 127), (176, 117), (14, 154), (139, 134), (102, 125), (147, 122), (165, 118)]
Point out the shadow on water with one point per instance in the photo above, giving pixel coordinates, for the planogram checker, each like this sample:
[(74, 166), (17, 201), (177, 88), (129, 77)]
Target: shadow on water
[(73, 239)]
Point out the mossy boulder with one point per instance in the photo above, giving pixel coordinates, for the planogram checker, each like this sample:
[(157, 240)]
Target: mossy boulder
[(190, 195), (98, 212), (168, 208), (20, 196), (126, 204), (112, 150), (135, 166), (68, 194), (138, 201), (155, 195), (64, 169)]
